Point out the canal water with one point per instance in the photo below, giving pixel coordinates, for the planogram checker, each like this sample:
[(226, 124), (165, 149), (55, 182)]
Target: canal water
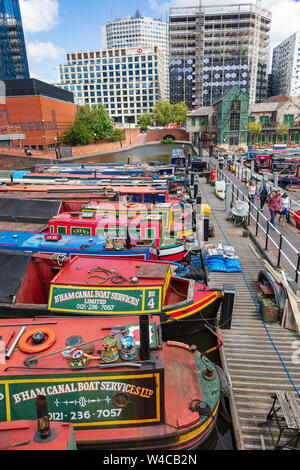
[(144, 153)]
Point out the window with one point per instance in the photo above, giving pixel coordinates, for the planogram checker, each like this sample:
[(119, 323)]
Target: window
[(251, 118), (264, 119), (62, 230)]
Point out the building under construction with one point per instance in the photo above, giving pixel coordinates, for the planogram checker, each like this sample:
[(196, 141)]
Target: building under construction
[(213, 48)]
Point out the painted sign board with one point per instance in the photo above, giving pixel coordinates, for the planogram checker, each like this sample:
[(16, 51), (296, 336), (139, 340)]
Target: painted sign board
[(96, 300), (86, 400)]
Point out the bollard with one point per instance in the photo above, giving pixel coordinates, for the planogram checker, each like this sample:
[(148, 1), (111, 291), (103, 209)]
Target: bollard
[(276, 179), (199, 200), (227, 306), (144, 338), (205, 228), (195, 190)]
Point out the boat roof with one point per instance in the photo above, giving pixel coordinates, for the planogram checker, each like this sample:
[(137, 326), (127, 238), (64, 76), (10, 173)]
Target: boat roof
[(119, 206), (102, 219), (77, 272), (65, 328), (69, 187), (28, 210), (37, 241)]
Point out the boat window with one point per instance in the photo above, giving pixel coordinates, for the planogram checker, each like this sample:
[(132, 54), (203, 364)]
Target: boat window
[(62, 230)]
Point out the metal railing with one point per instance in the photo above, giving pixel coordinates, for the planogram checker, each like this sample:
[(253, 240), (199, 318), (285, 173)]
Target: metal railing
[(266, 232)]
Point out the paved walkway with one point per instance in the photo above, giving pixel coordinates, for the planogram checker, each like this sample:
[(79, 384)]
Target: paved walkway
[(255, 368), (290, 244)]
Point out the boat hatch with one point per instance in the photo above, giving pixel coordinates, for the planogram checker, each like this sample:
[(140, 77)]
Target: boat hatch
[(105, 286)]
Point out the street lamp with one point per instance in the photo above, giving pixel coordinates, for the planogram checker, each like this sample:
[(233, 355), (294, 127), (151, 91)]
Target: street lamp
[(95, 135)]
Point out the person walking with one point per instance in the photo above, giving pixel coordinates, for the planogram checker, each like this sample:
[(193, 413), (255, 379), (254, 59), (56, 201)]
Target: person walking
[(285, 205), (252, 192), (274, 205), (264, 193)]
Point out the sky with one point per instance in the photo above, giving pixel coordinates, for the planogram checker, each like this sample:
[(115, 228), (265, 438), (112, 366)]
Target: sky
[(54, 27)]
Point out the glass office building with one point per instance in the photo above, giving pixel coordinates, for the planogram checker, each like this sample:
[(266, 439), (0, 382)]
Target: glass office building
[(13, 56), (128, 81)]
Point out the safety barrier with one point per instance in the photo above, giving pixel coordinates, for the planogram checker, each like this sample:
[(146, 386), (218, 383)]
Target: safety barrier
[(257, 218)]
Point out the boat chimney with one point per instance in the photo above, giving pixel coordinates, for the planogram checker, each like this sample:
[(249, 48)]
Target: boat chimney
[(42, 417), (153, 199), (128, 240), (144, 338)]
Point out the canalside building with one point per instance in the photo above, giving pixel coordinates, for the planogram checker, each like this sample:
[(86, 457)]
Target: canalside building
[(128, 81), (226, 122)]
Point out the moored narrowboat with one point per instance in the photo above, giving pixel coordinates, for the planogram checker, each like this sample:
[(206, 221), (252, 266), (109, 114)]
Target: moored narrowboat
[(104, 286), (119, 385)]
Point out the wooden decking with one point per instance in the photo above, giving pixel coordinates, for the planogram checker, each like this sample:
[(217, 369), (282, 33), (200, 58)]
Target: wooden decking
[(248, 355)]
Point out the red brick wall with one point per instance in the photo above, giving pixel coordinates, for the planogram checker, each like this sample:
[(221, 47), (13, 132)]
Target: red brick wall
[(106, 146), (158, 135), (48, 113)]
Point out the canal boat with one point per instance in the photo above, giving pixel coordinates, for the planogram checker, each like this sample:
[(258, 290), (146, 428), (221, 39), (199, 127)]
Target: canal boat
[(146, 194), (116, 225), (67, 245), (113, 379), (104, 286), (23, 435)]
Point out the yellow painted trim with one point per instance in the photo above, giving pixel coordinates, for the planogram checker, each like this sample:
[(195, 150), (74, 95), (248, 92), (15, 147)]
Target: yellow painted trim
[(143, 289), (191, 435), (191, 306)]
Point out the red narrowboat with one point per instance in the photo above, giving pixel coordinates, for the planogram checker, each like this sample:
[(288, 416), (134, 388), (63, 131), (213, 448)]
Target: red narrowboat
[(113, 379), (105, 286)]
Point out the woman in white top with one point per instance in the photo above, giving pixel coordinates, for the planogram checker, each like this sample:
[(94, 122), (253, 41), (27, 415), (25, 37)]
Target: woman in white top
[(252, 192), (286, 204)]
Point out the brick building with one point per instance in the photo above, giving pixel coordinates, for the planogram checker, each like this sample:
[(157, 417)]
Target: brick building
[(41, 112)]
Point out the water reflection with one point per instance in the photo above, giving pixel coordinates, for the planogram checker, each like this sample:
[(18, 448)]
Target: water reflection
[(145, 153)]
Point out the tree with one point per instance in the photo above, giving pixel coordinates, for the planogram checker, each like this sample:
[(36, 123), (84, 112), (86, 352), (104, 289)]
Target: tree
[(77, 134), (97, 120), (145, 120), (254, 128), (118, 134), (179, 113), (281, 130), (162, 113)]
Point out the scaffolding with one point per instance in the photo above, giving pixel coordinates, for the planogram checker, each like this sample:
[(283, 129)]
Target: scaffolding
[(235, 36)]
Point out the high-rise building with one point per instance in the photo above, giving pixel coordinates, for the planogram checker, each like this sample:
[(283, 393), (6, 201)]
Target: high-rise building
[(13, 56), (136, 31), (214, 48), (286, 67), (128, 81)]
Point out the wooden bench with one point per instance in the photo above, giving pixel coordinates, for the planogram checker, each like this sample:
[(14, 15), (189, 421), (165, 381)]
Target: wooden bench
[(285, 411)]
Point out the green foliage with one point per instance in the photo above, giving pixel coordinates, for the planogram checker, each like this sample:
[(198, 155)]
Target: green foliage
[(162, 113), (254, 128), (90, 124), (179, 113), (166, 113), (166, 141), (118, 134), (97, 120), (145, 120), (77, 134), (282, 129)]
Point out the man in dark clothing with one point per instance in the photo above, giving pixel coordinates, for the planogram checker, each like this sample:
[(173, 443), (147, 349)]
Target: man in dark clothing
[(263, 192)]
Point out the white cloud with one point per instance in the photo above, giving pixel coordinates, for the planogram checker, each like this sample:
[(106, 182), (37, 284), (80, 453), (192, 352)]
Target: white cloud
[(38, 51), (285, 13), (39, 15)]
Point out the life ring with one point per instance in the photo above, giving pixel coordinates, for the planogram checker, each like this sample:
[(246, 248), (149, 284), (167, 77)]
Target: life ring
[(127, 198), (33, 349)]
